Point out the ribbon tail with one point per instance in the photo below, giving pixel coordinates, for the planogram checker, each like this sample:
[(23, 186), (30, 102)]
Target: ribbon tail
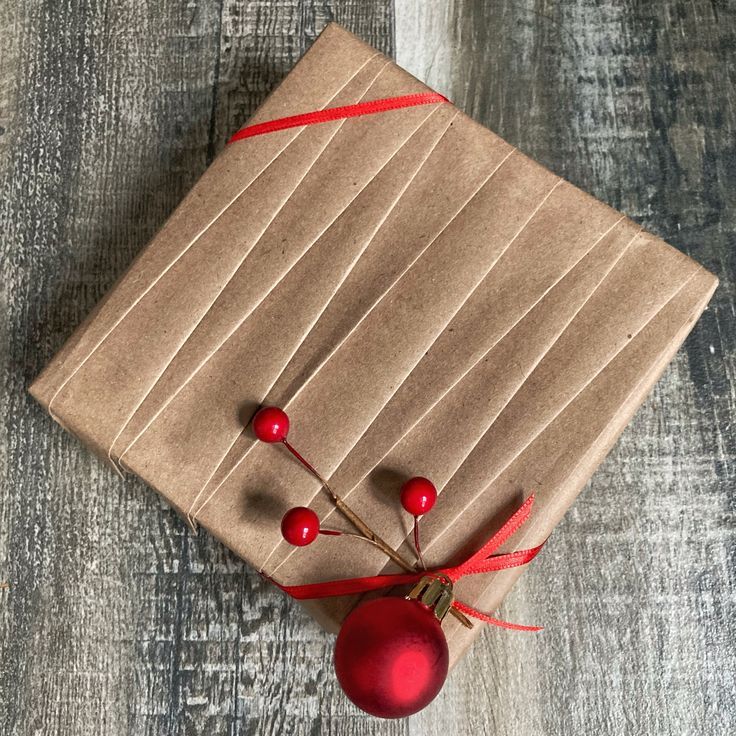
[(510, 527), (469, 611), (501, 562), (326, 115)]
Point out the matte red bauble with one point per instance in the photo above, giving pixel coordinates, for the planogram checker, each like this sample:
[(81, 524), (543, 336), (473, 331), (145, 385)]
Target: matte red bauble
[(391, 657)]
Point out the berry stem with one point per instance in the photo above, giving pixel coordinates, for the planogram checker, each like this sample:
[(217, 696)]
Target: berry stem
[(349, 514), (417, 546), (366, 532), (336, 533)]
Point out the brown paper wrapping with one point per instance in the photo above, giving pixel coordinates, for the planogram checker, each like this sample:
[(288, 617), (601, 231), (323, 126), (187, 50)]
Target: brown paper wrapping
[(419, 296)]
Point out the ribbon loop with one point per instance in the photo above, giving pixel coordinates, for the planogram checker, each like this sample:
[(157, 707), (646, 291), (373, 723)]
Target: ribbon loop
[(494, 563), (507, 530)]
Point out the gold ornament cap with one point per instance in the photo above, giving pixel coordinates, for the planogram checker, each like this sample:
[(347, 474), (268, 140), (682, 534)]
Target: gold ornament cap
[(434, 591)]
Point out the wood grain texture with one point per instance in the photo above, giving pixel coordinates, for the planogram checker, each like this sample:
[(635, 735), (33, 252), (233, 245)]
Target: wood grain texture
[(119, 620), (634, 103)]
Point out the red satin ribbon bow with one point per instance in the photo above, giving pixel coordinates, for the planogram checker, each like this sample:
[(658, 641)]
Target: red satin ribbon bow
[(484, 560)]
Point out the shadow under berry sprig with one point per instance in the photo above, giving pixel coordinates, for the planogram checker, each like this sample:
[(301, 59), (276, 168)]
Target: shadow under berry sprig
[(300, 526)]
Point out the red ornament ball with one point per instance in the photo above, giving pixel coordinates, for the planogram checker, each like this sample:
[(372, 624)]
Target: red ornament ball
[(418, 495), (391, 657), (271, 424), (300, 526)]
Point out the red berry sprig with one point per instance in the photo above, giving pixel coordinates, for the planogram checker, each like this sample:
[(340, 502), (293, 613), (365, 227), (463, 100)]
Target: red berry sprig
[(300, 526), (271, 424), (418, 496)]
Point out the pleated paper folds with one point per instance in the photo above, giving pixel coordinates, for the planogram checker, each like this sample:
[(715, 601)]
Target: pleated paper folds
[(419, 296)]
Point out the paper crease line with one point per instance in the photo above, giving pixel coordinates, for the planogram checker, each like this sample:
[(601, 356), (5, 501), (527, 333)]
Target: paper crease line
[(500, 339), (194, 512), (189, 245), (500, 255), (528, 533), (521, 450), (224, 286), (331, 354)]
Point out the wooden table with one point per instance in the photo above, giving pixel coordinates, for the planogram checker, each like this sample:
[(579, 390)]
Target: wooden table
[(116, 619)]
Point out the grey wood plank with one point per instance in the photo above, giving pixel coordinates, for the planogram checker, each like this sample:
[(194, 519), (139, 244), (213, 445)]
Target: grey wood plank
[(118, 619), (633, 102)]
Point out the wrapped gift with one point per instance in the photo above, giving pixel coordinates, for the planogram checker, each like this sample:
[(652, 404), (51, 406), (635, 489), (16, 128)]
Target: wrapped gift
[(419, 296)]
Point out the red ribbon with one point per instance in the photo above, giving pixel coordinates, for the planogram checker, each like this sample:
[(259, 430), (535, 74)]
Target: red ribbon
[(338, 113), (484, 560)]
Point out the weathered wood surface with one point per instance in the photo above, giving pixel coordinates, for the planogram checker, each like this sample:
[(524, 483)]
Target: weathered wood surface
[(117, 618)]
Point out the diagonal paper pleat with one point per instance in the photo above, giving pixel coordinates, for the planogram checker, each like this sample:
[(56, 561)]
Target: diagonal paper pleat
[(461, 157), (266, 340), (564, 372), (168, 312), (496, 306), (213, 194), (418, 307), (455, 423), (565, 453)]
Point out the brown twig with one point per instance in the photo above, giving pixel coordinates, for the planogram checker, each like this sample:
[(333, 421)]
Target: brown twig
[(336, 533), (417, 546), (362, 527)]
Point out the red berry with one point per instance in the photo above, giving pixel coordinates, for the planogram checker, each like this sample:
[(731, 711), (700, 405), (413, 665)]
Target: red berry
[(300, 526), (418, 495), (271, 424)]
